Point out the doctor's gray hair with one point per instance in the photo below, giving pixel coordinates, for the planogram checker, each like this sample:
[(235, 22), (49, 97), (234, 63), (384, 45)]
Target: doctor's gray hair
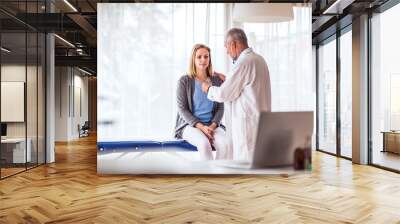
[(236, 34)]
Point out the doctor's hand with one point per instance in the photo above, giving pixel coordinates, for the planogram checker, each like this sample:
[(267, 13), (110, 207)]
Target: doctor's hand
[(205, 86), (220, 75)]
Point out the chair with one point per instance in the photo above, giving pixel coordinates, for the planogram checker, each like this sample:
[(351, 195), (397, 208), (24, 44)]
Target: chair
[(84, 130)]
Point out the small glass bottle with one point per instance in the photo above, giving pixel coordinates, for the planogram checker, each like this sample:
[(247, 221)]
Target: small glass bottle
[(298, 163)]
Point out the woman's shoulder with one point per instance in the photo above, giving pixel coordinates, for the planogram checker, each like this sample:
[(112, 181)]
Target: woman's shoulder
[(184, 78)]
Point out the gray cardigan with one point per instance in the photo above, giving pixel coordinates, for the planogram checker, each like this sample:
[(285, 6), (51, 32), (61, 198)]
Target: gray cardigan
[(184, 98)]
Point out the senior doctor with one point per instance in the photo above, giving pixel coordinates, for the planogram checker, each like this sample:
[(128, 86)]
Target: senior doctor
[(246, 92)]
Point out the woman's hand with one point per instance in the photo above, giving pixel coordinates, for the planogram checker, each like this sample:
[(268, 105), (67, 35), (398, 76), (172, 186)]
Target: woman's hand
[(220, 75), (208, 131), (213, 126)]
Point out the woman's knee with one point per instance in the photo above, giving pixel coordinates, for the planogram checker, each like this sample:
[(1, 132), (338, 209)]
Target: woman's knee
[(203, 145)]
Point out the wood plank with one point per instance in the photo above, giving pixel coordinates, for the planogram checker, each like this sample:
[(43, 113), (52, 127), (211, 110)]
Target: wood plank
[(70, 191)]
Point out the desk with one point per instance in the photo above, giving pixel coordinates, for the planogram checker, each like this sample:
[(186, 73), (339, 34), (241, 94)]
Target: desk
[(171, 162), (13, 150), (391, 141)]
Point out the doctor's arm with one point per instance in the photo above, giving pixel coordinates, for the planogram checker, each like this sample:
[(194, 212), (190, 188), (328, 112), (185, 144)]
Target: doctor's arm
[(232, 87)]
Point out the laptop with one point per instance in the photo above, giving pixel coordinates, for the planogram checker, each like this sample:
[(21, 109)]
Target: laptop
[(278, 136)]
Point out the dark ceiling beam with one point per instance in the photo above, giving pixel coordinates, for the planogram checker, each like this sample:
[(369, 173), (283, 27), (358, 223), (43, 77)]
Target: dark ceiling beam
[(337, 7), (11, 25), (16, 18), (332, 29), (63, 7), (86, 26), (346, 10), (49, 22), (91, 71), (319, 23), (91, 5), (55, 22), (383, 6), (82, 61), (20, 58)]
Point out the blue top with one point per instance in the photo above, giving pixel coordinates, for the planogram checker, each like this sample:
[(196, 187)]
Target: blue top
[(202, 106)]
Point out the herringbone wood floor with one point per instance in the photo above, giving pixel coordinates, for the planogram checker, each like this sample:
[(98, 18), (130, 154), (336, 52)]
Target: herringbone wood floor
[(70, 191)]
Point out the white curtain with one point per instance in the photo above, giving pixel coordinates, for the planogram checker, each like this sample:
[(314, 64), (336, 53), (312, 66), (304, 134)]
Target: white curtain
[(286, 46), (143, 50)]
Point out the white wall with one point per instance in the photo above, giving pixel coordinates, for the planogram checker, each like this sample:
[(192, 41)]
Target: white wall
[(71, 94), (61, 103), (33, 126), (80, 109), (16, 73)]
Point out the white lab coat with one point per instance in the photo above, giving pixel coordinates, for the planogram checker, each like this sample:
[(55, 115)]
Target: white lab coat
[(246, 92)]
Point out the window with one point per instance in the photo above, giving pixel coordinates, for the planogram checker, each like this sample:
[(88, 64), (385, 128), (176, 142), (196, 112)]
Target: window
[(346, 94), (327, 96), (385, 84)]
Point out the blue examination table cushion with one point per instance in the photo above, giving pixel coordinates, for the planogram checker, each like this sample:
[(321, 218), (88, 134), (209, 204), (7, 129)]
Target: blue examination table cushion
[(146, 145)]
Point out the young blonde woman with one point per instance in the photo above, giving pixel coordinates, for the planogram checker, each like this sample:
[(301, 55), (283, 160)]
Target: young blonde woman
[(199, 119)]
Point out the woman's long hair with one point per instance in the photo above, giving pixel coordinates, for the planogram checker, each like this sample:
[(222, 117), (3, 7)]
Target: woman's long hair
[(192, 66)]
